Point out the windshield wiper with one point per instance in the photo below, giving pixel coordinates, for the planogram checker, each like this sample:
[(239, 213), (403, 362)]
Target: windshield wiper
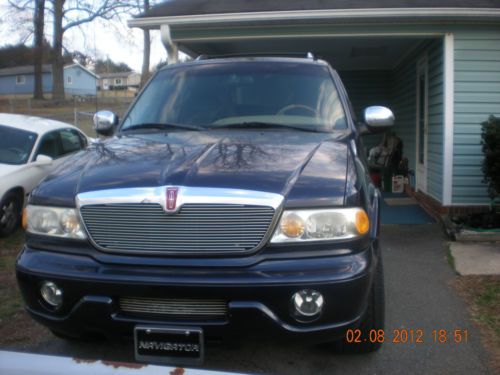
[(260, 124), (161, 126)]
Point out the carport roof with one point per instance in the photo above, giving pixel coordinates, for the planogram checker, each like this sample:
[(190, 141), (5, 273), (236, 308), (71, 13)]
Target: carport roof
[(216, 12), (172, 8)]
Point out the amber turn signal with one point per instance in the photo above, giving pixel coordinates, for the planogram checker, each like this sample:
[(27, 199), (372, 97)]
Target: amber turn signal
[(362, 222), (25, 219), (292, 226)]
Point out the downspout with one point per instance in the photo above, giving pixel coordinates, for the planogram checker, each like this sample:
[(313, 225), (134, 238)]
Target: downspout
[(168, 43)]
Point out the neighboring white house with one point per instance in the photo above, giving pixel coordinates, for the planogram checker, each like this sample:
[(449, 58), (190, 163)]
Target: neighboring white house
[(119, 81)]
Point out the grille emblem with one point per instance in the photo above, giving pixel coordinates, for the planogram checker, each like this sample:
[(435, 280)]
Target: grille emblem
[(171, 199)]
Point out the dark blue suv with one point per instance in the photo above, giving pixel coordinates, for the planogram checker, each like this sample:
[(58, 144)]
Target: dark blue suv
[(233, 198)]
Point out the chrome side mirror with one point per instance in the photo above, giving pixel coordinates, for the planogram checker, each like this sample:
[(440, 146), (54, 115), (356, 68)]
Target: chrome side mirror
[(377, 119), (43, 160), (105, 122)]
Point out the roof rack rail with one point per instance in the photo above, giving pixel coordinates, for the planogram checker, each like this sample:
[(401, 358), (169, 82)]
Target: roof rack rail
[(307, 55)]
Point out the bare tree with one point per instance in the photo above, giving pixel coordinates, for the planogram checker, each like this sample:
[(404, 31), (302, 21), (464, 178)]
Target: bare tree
[(147, 51), (37, 9), (57, 59), (68, 14), (19, 15), (65, 15), (38, 25)]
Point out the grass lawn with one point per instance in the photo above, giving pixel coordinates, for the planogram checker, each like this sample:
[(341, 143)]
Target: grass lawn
[(9, 294), (12, 313), (482, 294)]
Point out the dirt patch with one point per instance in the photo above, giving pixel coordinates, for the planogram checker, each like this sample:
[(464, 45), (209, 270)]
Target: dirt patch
[(482, 294), (115, 364), (177, 371), (17, 329), (20, 331)]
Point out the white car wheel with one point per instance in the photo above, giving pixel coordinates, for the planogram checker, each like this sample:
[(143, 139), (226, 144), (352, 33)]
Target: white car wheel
[(10, 209)]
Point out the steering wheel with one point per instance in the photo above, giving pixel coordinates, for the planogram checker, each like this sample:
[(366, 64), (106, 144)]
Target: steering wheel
[(293, 106)]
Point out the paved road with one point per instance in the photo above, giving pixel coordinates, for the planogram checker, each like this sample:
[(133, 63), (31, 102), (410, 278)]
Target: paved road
[(418, 296)]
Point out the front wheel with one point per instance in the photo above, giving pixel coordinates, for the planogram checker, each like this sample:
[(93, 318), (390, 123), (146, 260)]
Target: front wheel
[(373, 320), (10, 214)]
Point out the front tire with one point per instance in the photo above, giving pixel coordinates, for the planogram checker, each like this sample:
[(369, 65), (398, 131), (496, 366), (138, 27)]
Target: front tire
[(373, 320), (10, 214)]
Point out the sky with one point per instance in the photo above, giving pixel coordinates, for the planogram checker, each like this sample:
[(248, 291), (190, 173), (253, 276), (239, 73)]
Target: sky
[(99, 39), (116, 40)]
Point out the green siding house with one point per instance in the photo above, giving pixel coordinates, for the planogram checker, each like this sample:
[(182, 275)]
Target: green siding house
[(435, 63)]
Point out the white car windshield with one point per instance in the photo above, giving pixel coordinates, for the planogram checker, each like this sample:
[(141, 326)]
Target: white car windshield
[(15, 145)]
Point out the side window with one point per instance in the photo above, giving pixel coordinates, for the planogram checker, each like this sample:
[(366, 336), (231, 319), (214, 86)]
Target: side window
[(20, 80), (83, 139), (50, 146), (71, 141)]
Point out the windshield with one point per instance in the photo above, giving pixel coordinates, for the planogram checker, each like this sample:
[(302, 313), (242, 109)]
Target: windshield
[(215, 95), (15, 145)]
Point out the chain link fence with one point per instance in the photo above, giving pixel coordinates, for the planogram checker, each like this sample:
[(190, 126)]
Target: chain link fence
[(77, 111)]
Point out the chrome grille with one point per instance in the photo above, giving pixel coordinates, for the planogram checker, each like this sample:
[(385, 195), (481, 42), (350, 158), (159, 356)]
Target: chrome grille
[(174, 308), (205, 228)]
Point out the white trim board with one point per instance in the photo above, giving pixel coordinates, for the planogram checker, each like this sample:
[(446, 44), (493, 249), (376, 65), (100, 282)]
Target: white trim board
[(421, 168), (449, 77), (309, 36), (320, 14)]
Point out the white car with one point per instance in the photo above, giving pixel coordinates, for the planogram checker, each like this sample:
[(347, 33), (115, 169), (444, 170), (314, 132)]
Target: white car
[(30, 148)]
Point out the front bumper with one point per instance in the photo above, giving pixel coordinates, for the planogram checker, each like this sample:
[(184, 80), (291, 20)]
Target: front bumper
[(259, 296)]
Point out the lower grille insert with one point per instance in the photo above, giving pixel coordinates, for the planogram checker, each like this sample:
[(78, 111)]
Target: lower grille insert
[(174, 308)]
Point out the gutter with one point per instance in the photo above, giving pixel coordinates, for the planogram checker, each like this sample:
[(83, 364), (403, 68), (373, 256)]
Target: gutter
[(325, 14)]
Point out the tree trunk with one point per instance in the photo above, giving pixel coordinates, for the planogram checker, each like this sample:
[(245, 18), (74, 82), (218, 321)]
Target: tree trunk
[(39, 22), (147, 52), (57, 60)]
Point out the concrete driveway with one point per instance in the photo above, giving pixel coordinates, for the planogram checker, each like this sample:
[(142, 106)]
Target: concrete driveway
[(418, 296)]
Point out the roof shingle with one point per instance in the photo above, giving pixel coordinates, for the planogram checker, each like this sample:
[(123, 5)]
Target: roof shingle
[(172, 8)]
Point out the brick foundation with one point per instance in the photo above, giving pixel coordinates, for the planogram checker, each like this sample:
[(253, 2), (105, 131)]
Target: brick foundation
[(437, 210)]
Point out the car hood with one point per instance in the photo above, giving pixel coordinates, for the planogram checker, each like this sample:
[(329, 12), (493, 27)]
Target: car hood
[(6, 169), (307, 168)]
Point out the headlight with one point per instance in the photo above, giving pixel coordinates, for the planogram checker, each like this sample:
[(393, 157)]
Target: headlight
[(54, 221), (321, 225)]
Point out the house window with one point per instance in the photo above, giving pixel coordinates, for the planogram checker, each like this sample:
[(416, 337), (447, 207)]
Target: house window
[(118, 81), (20, 80), (69, 80)]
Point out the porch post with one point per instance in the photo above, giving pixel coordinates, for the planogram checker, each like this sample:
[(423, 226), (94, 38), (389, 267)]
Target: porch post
[(448, 110), (168, 43)]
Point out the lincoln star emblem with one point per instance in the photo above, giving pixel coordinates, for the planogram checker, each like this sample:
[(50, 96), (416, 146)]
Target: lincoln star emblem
[(172, 198)]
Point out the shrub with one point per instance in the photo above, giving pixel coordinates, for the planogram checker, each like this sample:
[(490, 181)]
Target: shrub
[(490, 140)]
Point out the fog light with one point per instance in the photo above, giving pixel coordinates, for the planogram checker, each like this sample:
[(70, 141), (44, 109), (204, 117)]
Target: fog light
[(51, 294), (308, 302)]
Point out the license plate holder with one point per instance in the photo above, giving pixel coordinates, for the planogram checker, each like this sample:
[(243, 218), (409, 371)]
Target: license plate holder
[(169, 344)]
